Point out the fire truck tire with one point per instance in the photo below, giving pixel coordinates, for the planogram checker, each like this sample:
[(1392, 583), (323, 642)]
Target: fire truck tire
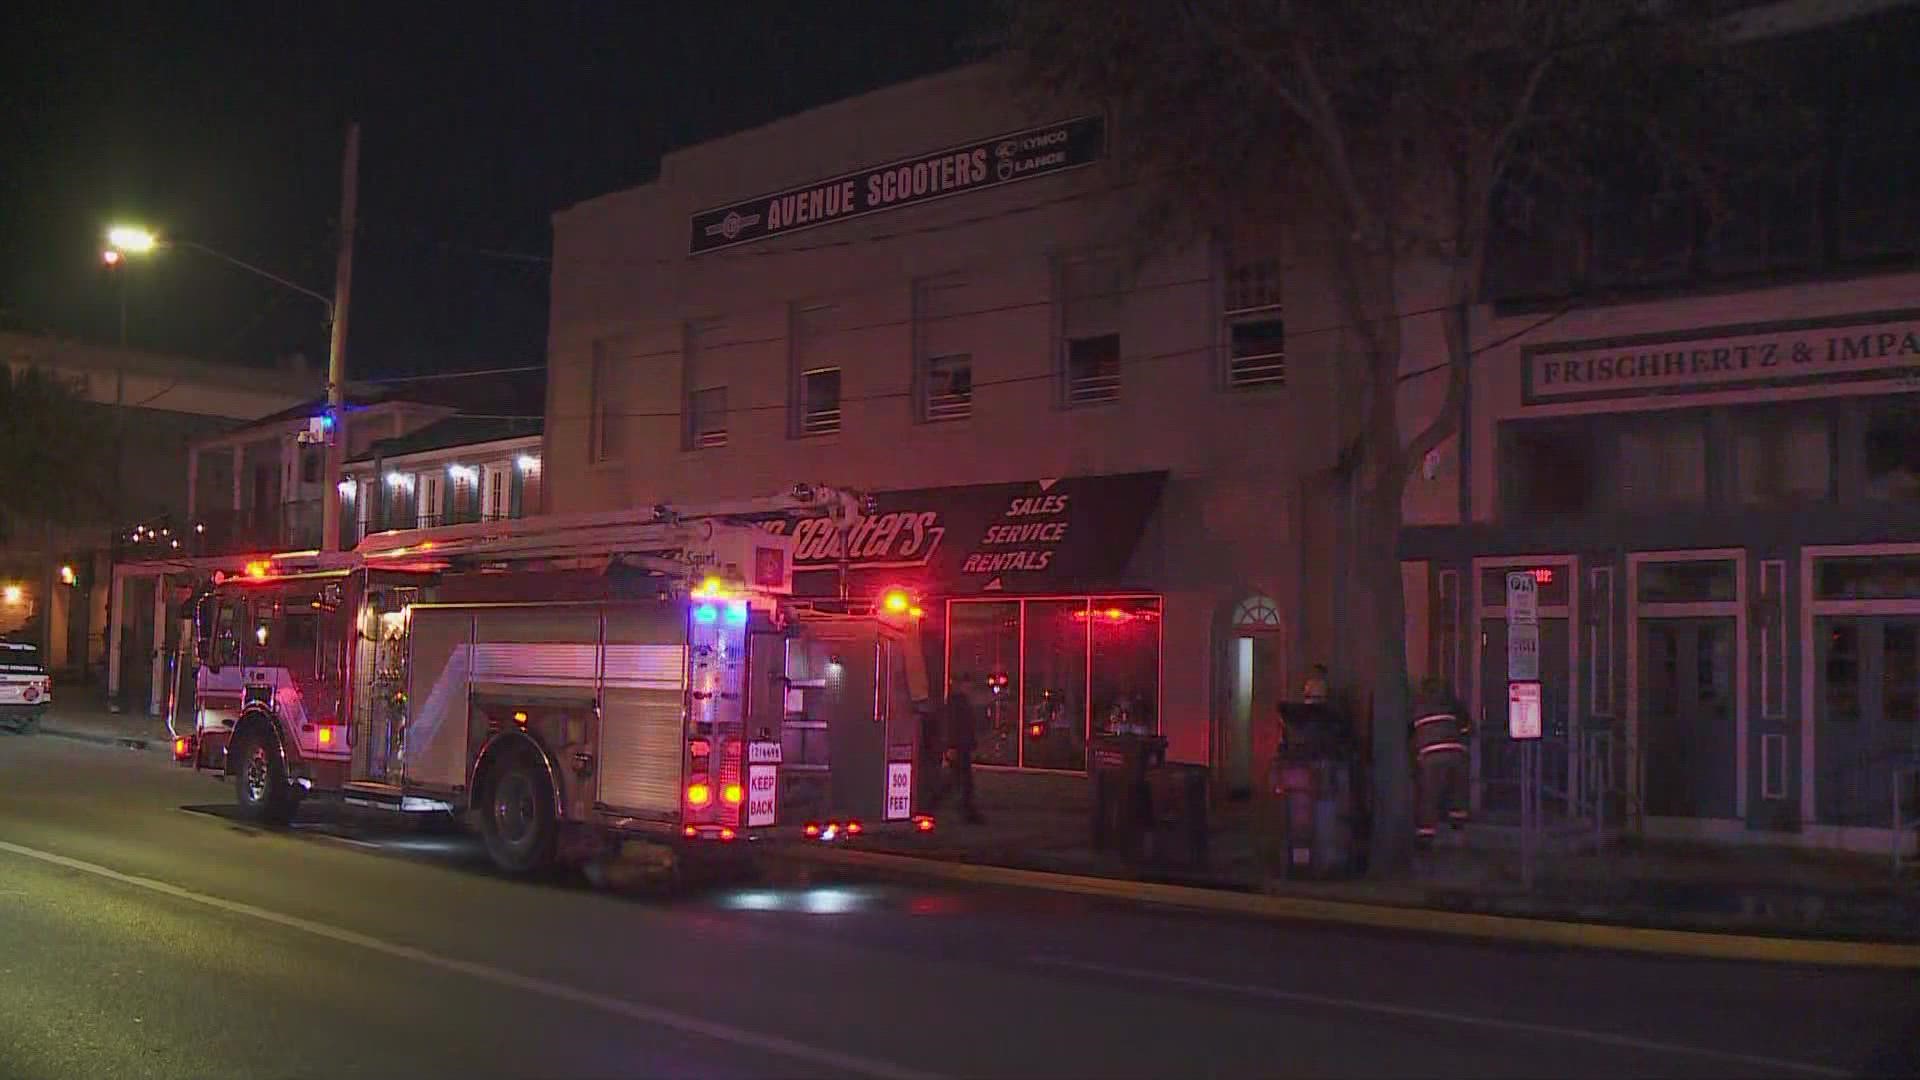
[(517, 819), (260, 781)]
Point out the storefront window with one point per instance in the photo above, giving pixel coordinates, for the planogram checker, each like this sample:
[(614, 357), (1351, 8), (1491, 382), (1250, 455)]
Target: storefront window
[(1868, 577), (1691, 581), (1042, 674), (1055, 690), (1126, 666), (983, 662), (1551, 584), (1893, 454), (1662, 462), (1783, 459), (1550, 471)]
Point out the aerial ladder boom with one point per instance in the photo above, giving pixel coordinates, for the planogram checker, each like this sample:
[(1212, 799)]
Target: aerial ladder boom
[(662, 531)]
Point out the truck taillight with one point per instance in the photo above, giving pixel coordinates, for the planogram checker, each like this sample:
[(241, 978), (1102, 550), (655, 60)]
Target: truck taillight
[(699, 795), (324, 736), (181, 749), (732, 794)]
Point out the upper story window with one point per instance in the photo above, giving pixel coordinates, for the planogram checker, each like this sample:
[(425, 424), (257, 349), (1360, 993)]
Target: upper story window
[(814, 406), (431, 496), (820, 401), (948, 384), (496, 492), (1892, 452), (1782, 456), (1091, 290), (943, 349), (1254, 321), (606, 425), (707, 417), (1660, 461), (1551, 470), (705, 410)]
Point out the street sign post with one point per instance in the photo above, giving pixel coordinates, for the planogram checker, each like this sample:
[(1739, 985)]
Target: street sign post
[(1523, 707)]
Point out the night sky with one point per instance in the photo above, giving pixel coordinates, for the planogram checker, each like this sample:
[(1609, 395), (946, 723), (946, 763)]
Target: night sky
[(224, 123)]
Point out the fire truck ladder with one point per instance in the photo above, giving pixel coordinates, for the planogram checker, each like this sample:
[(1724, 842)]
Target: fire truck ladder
[(666, 538)]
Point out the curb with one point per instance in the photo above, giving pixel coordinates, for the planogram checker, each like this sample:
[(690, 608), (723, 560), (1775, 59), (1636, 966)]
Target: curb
[(1688, 943), (157, 746)]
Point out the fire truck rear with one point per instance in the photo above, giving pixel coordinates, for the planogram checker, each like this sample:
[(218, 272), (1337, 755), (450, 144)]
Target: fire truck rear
[(562, 686)]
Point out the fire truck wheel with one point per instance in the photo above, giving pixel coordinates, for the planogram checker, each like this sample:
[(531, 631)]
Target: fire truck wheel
[(517, 818), (260, 781)]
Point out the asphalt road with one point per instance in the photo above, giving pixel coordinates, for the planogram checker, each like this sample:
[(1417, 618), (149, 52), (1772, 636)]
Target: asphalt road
[(142, 934)]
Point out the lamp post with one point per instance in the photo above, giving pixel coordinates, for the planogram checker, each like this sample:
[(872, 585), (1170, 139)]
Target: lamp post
[(124, 240)]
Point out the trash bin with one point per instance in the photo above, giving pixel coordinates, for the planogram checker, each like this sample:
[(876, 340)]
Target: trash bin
[(1308, 803), (1177, 815), (1117, 767)]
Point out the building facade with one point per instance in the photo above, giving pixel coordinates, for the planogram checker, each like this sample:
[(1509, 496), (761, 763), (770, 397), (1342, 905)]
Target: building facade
[(1718, 496), (152, 407), (256, 490), (452, 471), (1092, 467), (1697, 433)]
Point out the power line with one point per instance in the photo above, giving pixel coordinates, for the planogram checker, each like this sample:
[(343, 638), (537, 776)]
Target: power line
[(395, 379), (1013, 380)]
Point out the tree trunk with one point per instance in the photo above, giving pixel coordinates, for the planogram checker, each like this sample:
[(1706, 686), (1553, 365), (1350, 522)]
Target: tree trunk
[(1385, 658)]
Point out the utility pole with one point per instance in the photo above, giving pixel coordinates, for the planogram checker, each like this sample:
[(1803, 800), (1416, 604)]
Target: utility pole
[(335, 445)]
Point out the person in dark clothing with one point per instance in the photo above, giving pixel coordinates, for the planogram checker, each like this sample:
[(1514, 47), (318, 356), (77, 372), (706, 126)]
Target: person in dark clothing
[(1440, 756), (959, 755)]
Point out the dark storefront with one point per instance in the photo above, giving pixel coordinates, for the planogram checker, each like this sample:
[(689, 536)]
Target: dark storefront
[(1729, 586)]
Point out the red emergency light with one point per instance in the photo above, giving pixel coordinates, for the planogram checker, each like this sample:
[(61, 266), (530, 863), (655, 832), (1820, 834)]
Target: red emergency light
[(1542, 575)]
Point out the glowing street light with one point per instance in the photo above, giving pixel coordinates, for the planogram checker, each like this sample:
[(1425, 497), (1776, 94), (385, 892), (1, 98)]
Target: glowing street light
[(131, 240)]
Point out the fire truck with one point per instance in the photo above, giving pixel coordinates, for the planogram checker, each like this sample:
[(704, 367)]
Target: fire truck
[(564, 684)]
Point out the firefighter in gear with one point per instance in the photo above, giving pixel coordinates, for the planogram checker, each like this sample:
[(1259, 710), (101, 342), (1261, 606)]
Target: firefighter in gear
[(1440, 756)]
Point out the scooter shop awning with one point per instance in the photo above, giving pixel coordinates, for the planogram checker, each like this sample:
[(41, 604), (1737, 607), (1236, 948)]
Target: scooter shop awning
[(1048, 535)]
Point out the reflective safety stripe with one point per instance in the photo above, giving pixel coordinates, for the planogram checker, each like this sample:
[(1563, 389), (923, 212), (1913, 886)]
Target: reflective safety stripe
[(1425, 750), (1434, 719)]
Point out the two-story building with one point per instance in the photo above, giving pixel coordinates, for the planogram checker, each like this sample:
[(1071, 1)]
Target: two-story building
[(149, 408), (1701, 438), (1093, 467), (413, 460), (1106, 471)]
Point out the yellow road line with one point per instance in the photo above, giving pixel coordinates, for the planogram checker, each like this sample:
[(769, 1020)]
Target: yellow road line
[(1781, 950)]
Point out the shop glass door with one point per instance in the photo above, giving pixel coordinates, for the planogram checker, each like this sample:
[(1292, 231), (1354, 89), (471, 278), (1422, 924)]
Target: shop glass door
[(1689, 732), (1867, 714)]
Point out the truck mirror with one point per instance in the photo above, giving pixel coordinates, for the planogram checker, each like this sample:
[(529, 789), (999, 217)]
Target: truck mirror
[(203, 633)]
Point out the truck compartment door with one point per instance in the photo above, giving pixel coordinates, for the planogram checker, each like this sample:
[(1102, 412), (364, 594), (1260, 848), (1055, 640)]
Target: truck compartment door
[(434, 742), (643, 702)]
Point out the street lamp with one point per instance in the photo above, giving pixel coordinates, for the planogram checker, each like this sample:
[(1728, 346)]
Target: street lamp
[(125, 240), (131, 240)]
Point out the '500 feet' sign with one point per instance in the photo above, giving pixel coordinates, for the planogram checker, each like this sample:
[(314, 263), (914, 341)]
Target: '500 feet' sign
[(1853, 348)]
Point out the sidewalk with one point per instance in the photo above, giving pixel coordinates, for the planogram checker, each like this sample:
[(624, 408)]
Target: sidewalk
[(1722, 889), (79, 714)]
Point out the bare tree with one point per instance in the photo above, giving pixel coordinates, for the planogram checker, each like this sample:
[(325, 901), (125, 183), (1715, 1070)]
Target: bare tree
[(53, 454), (1401, 128)]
